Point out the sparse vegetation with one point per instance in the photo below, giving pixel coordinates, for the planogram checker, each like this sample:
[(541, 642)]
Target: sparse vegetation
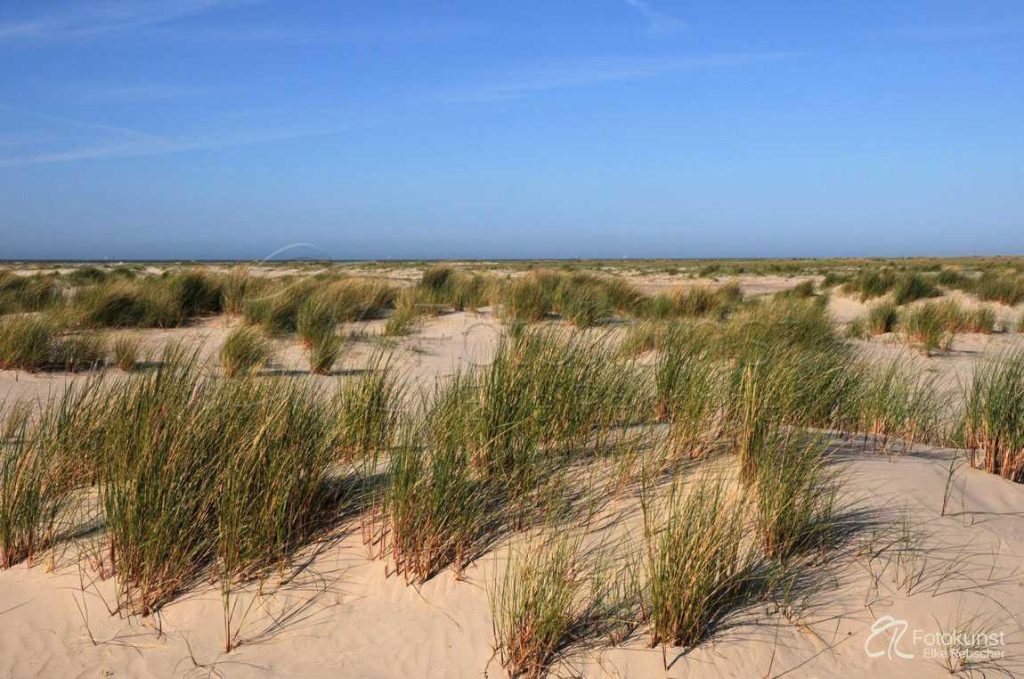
[(715, 422)]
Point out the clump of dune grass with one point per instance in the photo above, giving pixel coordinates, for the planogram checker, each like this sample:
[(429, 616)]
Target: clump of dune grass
[(698, 565), (324, 351), (688, 382), (702, 301), (245, 351), (794, 497), (195, 476), (905, 286), (125, 304), (33, 489), (432, 512), (857, 329), (48, 451), (408, 311), (834, 278), (437, 278), (88, 274), (314, 319), (911, 287), (792, 385), (779, 322), (586, 299), (156, 302), (993, 419), (582, 303), (237, 286), (755, 395), (159, 468), (126, 352), (445, 287), (870, 284), (275, 306), (781, 360), (538, 605), (197, 472), (78, 351), (33, 343), (801, 290), (27, 293), (645, 335), (26, 342), (897, 401), (952, 318), (368, 408), (525, 300), (357, 299), (582, 299), (273, 491), (980, 319), (926, 326), (468, 291), (882, 318), (349, 299), (437, 507), (623, 297), (196, 293), (1007, 288), (952, 278), (549, 396), (546, 392)]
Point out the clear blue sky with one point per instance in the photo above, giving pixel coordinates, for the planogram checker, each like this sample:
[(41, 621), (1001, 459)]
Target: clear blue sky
[(528, 128)]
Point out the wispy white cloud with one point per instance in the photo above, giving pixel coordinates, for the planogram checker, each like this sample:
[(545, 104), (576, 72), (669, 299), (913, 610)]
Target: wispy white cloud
[(160, 146), (98, 129), (50, 139), (657, 21), (16, 139), (91, 92), (941, 33), (600, 71), (87, 18), (84, 19), (238, 34)]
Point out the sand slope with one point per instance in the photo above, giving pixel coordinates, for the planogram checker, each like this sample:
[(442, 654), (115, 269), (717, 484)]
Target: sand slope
[(342, 616)]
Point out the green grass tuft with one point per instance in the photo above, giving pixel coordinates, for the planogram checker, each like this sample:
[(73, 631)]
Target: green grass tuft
[(245, 351)]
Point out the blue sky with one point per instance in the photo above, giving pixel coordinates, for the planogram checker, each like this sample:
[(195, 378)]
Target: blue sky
[(590, 128)]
